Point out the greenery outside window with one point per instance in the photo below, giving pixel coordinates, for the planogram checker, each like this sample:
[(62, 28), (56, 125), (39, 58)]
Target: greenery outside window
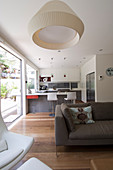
[(31, 79), (11, 86)]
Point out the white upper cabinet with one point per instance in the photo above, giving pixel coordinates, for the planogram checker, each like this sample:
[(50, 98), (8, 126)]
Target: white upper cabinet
[(62, 75)]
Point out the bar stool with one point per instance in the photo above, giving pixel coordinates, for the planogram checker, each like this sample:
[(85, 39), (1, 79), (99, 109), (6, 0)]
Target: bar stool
[(71, 96), (52, 97)]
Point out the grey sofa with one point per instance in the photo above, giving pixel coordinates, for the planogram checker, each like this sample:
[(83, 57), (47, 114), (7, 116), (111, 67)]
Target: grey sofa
[(98, 133)]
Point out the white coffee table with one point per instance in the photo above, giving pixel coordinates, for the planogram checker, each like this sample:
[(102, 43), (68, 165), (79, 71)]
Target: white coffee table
[(34, 164)]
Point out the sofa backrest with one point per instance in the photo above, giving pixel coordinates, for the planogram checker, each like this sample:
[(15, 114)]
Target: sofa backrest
[(102, 110), (79, 105)]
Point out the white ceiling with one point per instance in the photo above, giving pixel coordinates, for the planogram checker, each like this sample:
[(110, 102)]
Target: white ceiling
[(97, 16)]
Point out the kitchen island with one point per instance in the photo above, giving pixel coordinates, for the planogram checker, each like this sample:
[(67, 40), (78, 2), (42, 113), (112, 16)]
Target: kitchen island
[(38, 101)]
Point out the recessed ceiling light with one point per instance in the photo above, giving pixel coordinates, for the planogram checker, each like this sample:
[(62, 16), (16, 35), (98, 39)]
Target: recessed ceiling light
[(59, 51), (101, 49)]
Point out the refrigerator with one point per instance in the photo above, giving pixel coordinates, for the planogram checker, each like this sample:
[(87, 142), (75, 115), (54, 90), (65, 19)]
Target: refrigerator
[(90, 87)]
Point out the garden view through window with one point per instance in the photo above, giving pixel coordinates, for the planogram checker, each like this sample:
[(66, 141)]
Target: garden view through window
[(11, 107), (31, 79)]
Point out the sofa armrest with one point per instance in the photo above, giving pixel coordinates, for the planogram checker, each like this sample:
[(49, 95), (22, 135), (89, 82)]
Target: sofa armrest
[(61, 132)]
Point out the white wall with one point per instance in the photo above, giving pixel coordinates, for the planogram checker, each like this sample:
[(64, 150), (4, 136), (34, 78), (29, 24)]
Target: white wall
[(87, 68), (104, 86), (72, 74)]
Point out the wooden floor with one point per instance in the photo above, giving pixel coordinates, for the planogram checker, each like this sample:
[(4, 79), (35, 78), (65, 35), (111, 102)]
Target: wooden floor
[(41, 127)]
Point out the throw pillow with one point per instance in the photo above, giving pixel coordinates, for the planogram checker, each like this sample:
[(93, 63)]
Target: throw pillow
[(82, 115), (3, 145), (68, 117)]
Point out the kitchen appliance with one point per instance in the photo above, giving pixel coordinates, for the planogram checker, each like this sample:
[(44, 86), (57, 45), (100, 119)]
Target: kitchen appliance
[(43, 87)]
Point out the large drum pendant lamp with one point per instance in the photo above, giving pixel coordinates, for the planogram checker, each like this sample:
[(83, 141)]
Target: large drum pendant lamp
[(55, 26)]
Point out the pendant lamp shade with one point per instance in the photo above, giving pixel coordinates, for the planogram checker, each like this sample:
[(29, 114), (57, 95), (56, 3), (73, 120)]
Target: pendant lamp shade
[(55, 26)]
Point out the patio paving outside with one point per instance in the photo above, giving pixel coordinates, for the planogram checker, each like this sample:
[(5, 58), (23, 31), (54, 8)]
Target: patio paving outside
[(9, 111), (8, 106)]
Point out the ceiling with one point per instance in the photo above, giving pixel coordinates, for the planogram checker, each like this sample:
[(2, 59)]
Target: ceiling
[(97, 16)]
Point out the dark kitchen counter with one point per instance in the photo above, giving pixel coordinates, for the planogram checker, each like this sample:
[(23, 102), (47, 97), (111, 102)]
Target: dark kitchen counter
[(41, 104)]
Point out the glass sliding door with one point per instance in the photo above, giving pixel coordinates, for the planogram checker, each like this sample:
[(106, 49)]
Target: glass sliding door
[(31, 79), (11, 86)]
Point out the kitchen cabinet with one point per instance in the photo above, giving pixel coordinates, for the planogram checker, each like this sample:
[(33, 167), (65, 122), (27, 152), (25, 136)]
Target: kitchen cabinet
[(45, 79), (62, 74)]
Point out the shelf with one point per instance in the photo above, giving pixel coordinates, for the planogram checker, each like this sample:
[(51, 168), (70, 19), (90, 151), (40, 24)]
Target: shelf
[(45, 79)]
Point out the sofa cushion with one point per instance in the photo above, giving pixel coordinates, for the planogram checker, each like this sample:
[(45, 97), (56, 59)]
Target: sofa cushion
[(8, 156), (68, 117), (102, 111), (3, 145), (98, 130), (82, 115)]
